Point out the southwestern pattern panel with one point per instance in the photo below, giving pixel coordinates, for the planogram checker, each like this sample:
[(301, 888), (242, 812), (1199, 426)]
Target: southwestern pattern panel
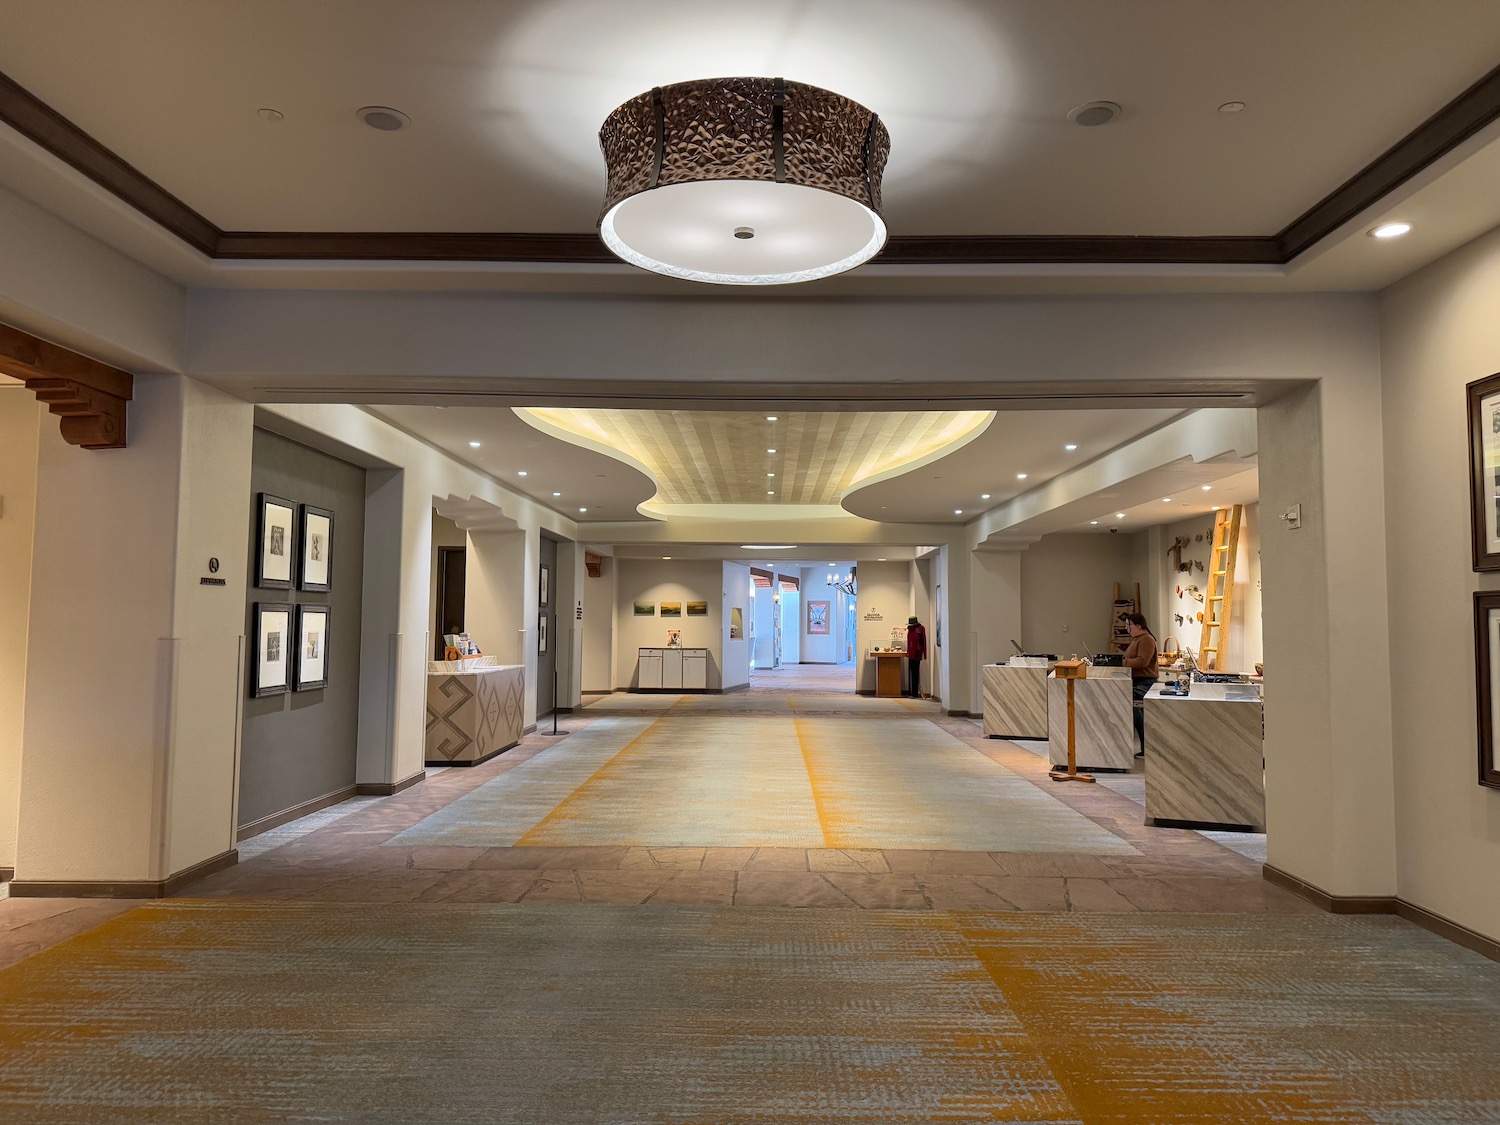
[(472, 716)]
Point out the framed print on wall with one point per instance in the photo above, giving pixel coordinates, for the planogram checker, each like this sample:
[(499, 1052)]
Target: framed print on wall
[(697, 609), (274, 543), (315, 550), (1487, 684), (645, 609), (541, 632), (311, 666), (544, 587), (817, 619), (1484, 471), (271, 672), (671, 609)]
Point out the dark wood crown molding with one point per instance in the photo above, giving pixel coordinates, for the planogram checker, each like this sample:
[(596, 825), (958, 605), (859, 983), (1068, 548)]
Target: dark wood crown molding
[(88, 396), (1463, 117)]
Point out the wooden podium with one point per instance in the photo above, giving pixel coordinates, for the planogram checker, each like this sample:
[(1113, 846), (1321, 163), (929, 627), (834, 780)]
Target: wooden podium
[(1072, 671), (888, 674)]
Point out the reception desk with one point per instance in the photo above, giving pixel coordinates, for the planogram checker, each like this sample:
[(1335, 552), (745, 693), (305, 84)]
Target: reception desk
[(1205, 760), (474, 710), (1015, 702), (1102, 720)]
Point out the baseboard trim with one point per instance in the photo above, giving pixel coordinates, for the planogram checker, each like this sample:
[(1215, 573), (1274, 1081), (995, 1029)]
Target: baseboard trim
[(478, 761), (965, 715), (131, 888), (7, 874), (388, 788), (1433, 923), (296, 812)]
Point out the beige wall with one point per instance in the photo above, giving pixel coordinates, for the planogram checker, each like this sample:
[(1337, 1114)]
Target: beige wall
[(1245, 643), (1440, 329), (680, 580), (20, 418), (599, 629), (885, 592), (1067, 590)]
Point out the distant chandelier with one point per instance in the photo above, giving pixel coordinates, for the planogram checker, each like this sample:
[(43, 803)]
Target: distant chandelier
[(849, 585), (743, 181)]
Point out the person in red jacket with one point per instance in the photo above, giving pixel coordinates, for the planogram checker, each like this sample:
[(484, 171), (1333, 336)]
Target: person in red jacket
[(916, 652)]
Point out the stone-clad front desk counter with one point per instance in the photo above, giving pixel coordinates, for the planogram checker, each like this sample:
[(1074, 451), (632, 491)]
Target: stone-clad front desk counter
[(473, 711), (1103, 727), (1015, 701), (1205, 760)]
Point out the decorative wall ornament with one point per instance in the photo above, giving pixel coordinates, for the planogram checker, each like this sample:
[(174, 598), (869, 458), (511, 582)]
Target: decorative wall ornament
[(88, 396), (743, 181)]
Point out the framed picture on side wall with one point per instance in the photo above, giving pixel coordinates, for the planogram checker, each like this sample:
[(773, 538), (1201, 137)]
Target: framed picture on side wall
[(1484, 471), (541, 631), (274, 543), (544, 587), (1487, 684), (311, 668), (817, 619), (315, 550), (272, 629)]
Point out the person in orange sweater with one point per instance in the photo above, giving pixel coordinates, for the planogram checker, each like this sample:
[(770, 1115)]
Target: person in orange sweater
[(1140, 658)]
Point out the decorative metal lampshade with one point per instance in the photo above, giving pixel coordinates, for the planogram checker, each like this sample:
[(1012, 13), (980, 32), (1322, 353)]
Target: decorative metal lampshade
[(743, 181)]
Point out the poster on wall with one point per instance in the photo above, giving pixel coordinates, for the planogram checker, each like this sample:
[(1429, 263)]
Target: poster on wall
[(541, 632), (671, 609), (1484, 471), (272, 630), (697, 609), (817, 618), (645, 609), (736, 624), (312, 647), (1487, 684), (273, 543), (544, 587), (316, 550)]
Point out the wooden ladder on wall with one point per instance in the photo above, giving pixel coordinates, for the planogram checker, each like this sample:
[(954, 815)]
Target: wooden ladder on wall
[(1218, 601)]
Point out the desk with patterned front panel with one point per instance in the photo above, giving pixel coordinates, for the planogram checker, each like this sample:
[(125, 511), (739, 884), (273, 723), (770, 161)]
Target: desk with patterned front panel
[(474, 715)]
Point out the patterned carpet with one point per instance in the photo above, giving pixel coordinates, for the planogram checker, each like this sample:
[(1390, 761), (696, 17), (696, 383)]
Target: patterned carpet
[(802, 781), (211, 1011)]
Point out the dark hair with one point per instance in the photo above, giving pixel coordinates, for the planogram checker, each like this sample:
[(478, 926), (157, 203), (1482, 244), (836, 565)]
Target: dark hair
[(1139, 621)]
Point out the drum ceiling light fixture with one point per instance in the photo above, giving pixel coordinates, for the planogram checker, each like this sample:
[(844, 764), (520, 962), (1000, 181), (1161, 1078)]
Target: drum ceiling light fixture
[(743, 181)]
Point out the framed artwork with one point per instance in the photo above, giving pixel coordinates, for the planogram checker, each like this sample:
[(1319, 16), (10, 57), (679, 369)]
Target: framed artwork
[(736, 624), (697, 609), (312, 647), (1487, 683), (315, 550), (671, 609), (541, 631), (645, 609), (817, 619), (271, 673), (1484, 471), (273, 542), (544, 586)]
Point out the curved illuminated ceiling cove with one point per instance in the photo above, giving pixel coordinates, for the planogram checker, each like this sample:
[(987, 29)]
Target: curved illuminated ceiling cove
[(727, 457)]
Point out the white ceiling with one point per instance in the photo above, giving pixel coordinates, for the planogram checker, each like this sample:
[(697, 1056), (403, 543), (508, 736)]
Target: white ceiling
[(506, 97)]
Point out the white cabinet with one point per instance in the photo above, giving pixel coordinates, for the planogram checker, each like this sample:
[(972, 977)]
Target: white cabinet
[(649, 668), (695, 668), (671, 668)]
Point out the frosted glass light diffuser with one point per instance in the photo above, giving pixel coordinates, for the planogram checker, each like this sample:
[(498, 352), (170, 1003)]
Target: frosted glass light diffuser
[(743, 181)]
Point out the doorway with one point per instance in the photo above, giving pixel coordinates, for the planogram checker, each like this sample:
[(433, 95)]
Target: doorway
[(448, 615)]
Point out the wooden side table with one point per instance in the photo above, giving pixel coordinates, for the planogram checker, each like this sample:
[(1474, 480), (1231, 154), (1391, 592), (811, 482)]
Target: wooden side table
[(888, 674)]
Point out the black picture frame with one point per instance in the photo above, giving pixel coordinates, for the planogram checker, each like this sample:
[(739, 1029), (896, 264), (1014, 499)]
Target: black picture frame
[(275, 542), (315, 538), (541, 631), (1487, 683), (310, 670), (1484, 471), (271, 665), (544, 586)]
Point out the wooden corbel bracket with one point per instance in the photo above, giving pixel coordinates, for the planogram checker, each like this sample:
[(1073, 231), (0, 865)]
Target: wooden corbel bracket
[(89, 397), (593, 564)]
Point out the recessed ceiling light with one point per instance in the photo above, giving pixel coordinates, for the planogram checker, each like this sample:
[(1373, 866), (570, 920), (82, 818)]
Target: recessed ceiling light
[(830, 564), (768, 546), (522, 473), (770, 417), (383, 117), (770, 474), (984, 495), (1215, 508), (1389, 230), (473, 445), (583, 509), (1020, 476), (1070, 447), (1094, 113), (1166, 499), (557, 494), (958, 511), (271, 115), (770, 451), (1119, 515), (666, 558), (1208, 488), (1093, 523), (1232, 107)]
